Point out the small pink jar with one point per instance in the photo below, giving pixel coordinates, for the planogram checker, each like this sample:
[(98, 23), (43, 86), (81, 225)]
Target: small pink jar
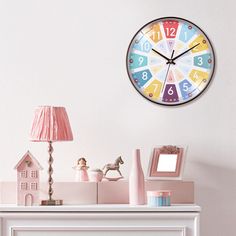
[(95, 175)]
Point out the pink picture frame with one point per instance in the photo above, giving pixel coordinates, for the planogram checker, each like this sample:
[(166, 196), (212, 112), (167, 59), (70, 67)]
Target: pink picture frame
[(166, 162)]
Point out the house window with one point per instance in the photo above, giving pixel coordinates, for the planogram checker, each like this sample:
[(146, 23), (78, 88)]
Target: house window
[(23, 174), (33, 186), (23, 186), (33, 174)]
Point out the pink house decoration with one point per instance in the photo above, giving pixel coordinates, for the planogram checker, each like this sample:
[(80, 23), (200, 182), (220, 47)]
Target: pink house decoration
[(28, 180)]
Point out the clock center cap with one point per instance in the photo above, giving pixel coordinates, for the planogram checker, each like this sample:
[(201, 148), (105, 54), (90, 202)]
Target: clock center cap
[(170, 61)]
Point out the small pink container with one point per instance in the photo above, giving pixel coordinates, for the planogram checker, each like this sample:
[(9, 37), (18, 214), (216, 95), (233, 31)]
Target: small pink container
[(159, 198), (95, 175)]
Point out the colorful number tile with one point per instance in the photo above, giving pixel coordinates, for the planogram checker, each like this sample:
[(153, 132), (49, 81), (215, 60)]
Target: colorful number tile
[(153, 90), (136, 61), (155, 33), (170, 28), (197, 76), (186, 33), (185, 88), (143, 45), (204, 61), (170, 93), (202, 44), (142, 77)]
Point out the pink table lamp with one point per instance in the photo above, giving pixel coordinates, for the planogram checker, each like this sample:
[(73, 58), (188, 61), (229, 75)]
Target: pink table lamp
[(50, 124)]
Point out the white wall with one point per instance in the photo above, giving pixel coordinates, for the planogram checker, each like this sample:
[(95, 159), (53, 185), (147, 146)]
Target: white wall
[(72, 54)]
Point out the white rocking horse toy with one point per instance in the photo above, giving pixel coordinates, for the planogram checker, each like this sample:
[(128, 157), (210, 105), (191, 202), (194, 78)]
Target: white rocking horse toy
[(115, 166)]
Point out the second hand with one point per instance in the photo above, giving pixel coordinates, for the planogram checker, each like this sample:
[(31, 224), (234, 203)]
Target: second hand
[(167, 70)]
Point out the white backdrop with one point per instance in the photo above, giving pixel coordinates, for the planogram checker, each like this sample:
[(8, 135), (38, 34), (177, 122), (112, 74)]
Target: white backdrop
[(72, 54)]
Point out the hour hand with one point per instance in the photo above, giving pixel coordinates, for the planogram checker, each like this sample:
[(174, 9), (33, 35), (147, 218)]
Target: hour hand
[(169, 61), (160, 54)]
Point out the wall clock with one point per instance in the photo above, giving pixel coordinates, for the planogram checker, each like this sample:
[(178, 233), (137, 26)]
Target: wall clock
[(170, 61)]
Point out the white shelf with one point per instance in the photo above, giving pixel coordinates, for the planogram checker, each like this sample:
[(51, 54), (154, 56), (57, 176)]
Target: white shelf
[(100, 208)]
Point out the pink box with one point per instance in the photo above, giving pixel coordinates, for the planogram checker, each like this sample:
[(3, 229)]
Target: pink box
[(110, 192), (105, 192), (118, 192), (72, 193)]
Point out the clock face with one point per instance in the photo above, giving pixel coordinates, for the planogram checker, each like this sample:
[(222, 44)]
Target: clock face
[(170, 61)]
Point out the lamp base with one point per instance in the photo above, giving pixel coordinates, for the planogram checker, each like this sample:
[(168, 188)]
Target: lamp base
[(51, 202)]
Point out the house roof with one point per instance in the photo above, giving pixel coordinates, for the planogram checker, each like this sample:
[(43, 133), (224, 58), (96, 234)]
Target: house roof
[(28, 153)]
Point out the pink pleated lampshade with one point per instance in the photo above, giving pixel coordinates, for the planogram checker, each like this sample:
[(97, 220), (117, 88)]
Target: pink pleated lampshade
[(50, 124)]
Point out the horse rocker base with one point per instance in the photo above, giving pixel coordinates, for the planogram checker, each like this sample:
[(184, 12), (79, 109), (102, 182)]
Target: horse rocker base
[(116, 167), (113, 179)]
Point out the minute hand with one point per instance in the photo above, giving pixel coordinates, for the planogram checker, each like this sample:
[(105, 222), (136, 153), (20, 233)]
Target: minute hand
[(185, 52)]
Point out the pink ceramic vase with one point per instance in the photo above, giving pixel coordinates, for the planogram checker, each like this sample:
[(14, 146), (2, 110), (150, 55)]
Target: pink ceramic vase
[(136, 181)]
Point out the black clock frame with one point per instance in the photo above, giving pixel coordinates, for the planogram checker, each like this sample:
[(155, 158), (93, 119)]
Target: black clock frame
[(130, 77)]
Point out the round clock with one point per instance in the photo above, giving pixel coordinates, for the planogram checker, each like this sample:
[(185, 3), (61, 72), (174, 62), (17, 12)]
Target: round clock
[(170, 61)]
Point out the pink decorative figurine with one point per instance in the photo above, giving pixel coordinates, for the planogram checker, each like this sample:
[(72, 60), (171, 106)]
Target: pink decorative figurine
[(28, 180), (81, 170)]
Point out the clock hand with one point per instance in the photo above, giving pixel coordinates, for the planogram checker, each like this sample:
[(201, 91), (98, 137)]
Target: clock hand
[(168, 69), (182, 53), (162, 55)]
